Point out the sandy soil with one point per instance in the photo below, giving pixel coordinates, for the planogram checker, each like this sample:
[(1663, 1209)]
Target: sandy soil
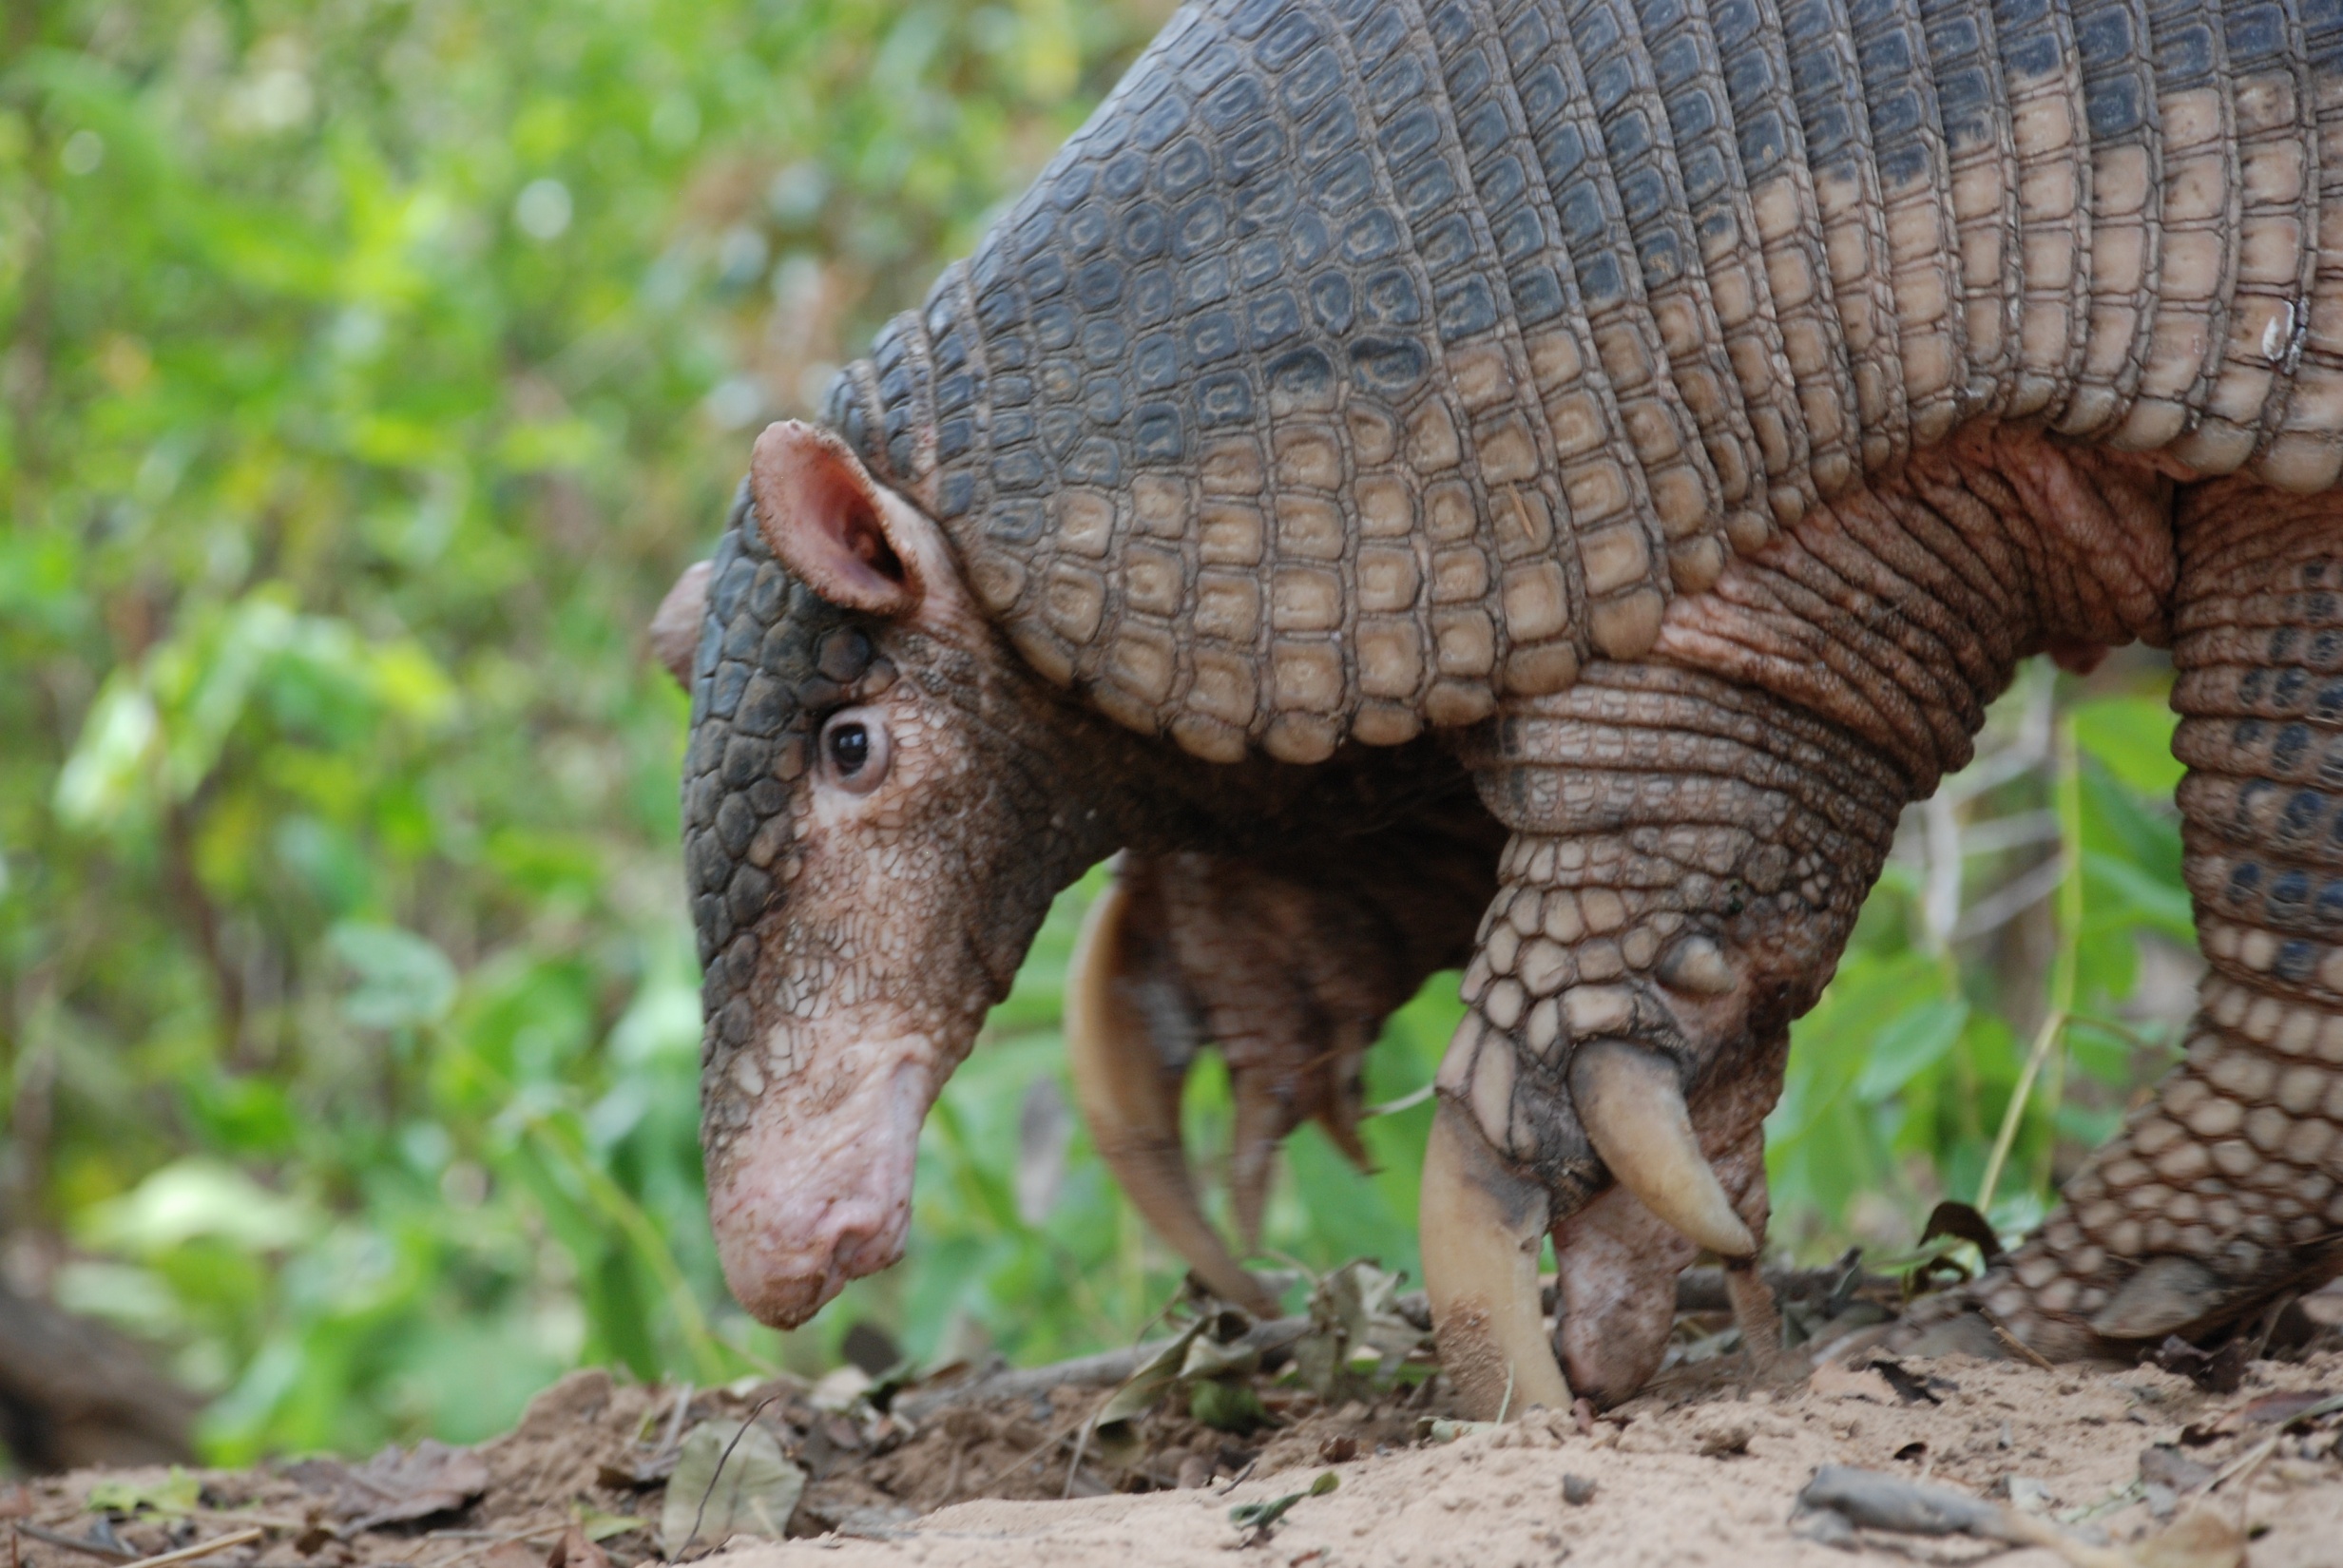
[(1705, 1477), (1703, 1468)]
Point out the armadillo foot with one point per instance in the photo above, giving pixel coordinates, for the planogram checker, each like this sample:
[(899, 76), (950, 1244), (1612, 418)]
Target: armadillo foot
[(2214, 1199), (1617, 1251), (1636, 976), (1131, 1033), (1617, 1261)]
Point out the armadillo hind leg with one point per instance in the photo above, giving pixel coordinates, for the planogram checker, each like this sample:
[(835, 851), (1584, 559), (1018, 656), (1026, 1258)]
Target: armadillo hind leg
[(1131, 1030), (1688, 856), (1285, 960), (2223, 1191)]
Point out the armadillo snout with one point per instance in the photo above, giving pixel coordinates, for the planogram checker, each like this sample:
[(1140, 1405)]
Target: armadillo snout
[(811, 1197)]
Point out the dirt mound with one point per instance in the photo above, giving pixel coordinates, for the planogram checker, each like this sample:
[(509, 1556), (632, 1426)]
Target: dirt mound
[(1024, 1467), (598, 1457)]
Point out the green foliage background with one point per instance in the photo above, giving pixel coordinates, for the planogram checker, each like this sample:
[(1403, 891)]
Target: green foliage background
[(370, 367)]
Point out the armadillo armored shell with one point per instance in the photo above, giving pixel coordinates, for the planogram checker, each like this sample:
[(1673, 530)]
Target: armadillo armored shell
[(1361, 361), (1236, 419)]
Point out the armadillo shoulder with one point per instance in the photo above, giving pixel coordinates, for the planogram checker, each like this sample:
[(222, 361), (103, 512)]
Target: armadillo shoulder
[(1275, 413)]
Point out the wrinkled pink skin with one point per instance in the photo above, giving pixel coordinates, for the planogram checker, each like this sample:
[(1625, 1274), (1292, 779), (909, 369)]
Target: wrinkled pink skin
[(811, 1202)]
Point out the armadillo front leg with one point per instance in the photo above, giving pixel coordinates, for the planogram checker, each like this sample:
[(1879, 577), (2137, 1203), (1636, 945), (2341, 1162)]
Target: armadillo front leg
[(2224, 1190), (1688, 856)]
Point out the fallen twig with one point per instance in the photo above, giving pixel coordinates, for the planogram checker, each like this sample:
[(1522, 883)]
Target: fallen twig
[(1082, 1441), (1701, 1290), (1107, 1368), (674, 1434), (1877, 1502), (202, 1548), (245, 1516), (2016, 1346), (1029, 1456), (2243, 1464), (76, 1543)]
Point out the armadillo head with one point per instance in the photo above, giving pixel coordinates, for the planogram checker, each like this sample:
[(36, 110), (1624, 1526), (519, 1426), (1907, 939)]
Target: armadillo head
[(874, 802)]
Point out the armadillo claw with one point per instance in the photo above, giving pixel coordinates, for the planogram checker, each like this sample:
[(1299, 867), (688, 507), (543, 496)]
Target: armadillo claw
[(1346, 1103), (1481, 1228), (1261, 1123), (1633, 1109), (1615, 1268), (1128, 1078), (1287, 973)]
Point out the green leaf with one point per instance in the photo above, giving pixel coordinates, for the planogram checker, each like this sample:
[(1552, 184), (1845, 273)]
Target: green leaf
[(2131, 737), (174, 1494), (1913, 1041), (598, 1525), (198, 1198), (103, 778), (402, 980), (2143, 897), (1227, 1405), (1260, 1516)]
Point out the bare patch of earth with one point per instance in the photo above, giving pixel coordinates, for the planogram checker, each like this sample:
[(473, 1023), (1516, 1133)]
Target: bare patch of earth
[(1704, 1467)]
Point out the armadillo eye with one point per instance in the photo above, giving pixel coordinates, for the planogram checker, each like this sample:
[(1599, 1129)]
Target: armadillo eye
[(856, 749)]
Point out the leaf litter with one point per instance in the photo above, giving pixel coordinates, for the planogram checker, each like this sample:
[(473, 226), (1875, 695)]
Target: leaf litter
[(1221, 1435)]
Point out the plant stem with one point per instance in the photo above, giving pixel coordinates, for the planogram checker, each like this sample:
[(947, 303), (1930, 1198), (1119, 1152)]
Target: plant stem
[(620, 1209), (2063, 970)]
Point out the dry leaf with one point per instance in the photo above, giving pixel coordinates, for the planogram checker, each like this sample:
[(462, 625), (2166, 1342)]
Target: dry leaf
[(729, 1481), (575, 1550), (2202, 1539), (636, 1470), (1144, 1389), (2285, 1409), (396, 1486)]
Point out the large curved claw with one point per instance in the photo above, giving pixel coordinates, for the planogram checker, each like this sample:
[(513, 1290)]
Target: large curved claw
[(1633, 1109), (1261, 1122), (1480, 1227), (1346, 1103), (1264, 1096), (1127, 1083)]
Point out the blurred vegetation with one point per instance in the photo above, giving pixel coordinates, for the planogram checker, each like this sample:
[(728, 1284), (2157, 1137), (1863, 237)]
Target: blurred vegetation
[(371, 368)]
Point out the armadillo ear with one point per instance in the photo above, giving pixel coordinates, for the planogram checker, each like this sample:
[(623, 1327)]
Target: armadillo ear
[(675, 629), (830, 522)]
